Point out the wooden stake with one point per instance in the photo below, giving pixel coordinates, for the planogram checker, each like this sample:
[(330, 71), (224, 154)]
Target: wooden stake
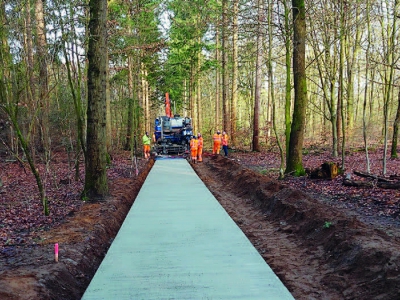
[(56, 252)]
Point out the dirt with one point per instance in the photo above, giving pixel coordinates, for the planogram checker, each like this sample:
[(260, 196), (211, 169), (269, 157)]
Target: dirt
[(319, 251), (31, 272)]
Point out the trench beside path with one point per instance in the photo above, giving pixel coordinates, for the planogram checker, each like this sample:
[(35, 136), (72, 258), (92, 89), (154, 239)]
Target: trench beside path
[(177, 242)]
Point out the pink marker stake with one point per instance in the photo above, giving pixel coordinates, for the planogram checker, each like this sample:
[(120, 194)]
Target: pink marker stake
[(56, 252)]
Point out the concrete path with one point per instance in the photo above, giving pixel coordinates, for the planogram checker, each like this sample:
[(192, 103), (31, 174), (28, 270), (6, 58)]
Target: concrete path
[(177, 242)]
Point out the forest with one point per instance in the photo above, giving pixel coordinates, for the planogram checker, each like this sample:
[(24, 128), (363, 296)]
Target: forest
[(270, 73), (295, 84)]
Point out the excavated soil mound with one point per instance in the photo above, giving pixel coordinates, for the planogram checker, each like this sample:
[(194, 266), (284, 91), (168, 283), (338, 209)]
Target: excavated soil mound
[(319, 252)]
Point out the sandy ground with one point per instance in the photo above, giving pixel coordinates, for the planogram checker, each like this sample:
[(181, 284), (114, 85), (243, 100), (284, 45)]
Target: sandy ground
[(318, 251)]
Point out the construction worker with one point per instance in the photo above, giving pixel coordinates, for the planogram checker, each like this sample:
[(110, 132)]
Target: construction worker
[(146, 145), (199, 148), (217, 138), (193, 148), (225, 139)]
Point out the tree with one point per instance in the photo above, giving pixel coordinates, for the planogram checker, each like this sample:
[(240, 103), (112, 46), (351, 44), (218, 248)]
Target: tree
[(96, 185), (388, 73), (393, 152), (258, 83), (225, 67), (396, 125), (217, 80), (288, 83), (43, 96), (324, 44), (272, 87), (10, 78), (234, 98), (294, 162), (364, 118), (74, 75)]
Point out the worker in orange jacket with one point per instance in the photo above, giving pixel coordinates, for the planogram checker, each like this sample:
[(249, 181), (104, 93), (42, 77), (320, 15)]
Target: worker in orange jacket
[(199, 148), (193, 148), (217, 139)]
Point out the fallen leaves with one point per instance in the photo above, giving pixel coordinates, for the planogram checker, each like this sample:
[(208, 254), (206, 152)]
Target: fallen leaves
[(368, 201), (21, 211)]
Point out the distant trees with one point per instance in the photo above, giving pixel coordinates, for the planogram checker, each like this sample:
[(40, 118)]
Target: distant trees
[(219, 68), (16, 96)]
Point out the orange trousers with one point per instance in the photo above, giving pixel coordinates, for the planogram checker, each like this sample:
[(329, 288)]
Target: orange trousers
[(194, 153), (216, 148), (200, 153), (146, 150)]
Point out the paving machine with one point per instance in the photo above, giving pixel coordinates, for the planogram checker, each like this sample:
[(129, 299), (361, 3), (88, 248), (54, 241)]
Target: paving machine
[(172, 133)]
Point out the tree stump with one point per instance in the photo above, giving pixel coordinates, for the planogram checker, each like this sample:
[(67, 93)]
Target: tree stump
[(328, 170)]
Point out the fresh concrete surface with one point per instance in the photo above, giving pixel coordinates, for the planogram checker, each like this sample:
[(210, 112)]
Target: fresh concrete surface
[(177, 242)]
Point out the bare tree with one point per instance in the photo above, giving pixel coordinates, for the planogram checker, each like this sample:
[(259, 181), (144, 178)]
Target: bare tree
[(258, 83), (235, 63)]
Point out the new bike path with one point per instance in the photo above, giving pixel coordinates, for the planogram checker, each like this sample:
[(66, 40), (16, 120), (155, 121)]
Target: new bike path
[(177, 242)]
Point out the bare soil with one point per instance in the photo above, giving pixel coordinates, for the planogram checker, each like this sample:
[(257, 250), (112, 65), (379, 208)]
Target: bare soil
[(29, 271), (319, 251), (319, 248)]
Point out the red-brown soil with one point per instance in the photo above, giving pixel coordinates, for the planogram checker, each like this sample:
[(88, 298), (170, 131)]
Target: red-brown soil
[(318, 251), (28, 270), (321, 245)]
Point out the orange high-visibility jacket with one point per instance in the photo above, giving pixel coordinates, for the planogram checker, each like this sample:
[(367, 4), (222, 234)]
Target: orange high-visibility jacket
[(225, 139), (217, 138), (200, 142), (193, 144)]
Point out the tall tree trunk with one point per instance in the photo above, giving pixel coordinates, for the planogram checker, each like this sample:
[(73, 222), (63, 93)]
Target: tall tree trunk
[(192, 101), (288, 83), (140, 96), (75, 87), (146, 98), (294, 162), (96, 185), (389, 80), (354, 46), (340, 112), (366, 88), (185, 97), (258, 83), (235, 63), (5, 56), (217, 82), (339, 103), (41, 44), (129, 127), (108, 108), (272, 90), (393, 152), (29, 54), (199, 121), (225, 76)]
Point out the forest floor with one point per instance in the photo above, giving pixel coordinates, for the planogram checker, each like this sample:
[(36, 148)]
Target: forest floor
[(324, 240)]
